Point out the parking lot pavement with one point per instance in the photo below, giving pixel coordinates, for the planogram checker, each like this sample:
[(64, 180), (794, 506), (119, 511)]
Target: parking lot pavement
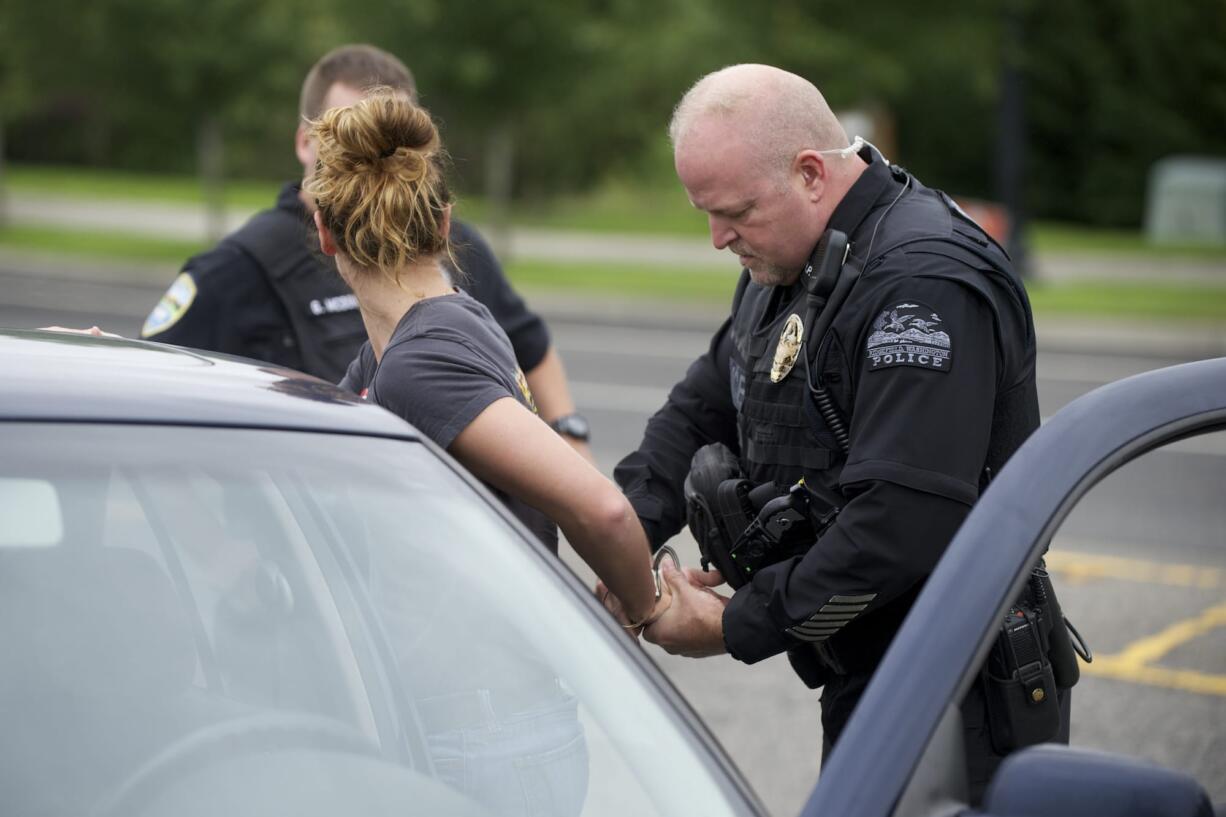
[(1157, 686)]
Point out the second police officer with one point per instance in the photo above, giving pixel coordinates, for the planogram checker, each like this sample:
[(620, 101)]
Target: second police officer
[(263, 292), (919, 384)]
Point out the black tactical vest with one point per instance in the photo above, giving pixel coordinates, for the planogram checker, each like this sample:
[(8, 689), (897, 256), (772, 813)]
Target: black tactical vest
[(781, 438), (323, 314), (782, 435)]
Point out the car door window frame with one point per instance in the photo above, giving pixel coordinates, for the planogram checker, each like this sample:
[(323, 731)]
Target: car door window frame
[(933, 659)]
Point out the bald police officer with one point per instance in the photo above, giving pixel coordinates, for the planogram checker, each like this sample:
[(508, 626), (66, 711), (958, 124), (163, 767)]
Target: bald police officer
[(925, 373)]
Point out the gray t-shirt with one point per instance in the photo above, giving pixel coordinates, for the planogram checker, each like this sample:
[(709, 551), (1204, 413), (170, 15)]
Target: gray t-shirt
[(445, 363)]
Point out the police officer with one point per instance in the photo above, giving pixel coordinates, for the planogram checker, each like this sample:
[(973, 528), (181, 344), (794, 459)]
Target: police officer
[(926, 369), (263, 293)]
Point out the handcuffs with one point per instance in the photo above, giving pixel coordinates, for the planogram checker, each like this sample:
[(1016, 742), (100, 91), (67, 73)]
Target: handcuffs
[(663, 551)]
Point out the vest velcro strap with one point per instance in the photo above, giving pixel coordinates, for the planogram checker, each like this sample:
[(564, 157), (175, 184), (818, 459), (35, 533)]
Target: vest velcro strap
[(808, 457)]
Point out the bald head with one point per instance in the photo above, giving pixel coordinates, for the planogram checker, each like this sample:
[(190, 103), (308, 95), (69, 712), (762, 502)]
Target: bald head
[(777, 112), (751, 145)]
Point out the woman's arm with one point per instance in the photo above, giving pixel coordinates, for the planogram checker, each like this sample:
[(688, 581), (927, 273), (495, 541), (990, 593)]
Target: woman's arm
[(515, 451), (547, 380)]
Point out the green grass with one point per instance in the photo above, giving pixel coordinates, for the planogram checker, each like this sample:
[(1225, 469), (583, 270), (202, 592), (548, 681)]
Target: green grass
[(114, 184), (1051, 237), (1128, 299), (626, 280), (612, 209), (1104, 299), (616, 207), (109, 246), (1108, 299)]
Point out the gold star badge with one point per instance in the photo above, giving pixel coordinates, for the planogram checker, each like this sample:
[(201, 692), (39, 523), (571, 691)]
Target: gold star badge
[(790, 341)]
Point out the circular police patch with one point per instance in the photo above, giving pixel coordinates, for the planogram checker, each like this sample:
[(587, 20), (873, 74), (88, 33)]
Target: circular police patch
[(909, 333), (172, 306)]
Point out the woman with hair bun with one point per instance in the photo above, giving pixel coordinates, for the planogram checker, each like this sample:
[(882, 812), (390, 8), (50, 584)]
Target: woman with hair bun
[(436, 357)]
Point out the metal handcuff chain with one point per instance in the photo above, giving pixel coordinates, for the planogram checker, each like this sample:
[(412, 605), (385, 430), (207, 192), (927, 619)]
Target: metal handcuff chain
[(664, 550)]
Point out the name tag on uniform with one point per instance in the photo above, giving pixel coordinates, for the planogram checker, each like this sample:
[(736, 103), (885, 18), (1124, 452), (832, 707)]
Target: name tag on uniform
[(330, 306)]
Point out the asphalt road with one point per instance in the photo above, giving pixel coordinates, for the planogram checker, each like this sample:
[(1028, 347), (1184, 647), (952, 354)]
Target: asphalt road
[(1140, 565)]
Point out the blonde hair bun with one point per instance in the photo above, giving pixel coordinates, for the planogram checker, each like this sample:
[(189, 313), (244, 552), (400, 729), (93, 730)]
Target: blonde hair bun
[(378, 180)]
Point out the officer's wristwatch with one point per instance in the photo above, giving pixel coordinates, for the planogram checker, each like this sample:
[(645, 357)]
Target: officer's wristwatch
[(572, 425)]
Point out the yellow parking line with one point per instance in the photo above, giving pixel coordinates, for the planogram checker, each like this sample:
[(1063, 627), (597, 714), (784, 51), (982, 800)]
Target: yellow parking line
[(1105, 666), (1075, 568), (1154, 647), (1134, 663)]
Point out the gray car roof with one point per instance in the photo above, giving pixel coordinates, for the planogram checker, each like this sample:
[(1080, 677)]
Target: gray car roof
[(55, 376)]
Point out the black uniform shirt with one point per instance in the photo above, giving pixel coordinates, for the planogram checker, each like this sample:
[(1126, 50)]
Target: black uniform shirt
[(926, 348), (223, 301), (445, 363)]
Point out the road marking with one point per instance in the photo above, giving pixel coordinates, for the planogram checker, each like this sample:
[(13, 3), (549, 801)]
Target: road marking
[(1178, 679), (1135, 663), (1077, 568)]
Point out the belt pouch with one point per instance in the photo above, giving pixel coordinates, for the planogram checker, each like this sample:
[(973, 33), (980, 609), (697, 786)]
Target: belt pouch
[(1020, 686)]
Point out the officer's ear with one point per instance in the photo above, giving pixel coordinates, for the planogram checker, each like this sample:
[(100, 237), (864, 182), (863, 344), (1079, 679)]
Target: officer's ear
[(304, 148), (810, 167), (327, 244), (447, 220)]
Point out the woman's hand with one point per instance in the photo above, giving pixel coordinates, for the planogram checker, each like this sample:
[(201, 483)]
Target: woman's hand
[(93, 330), (635, 625)]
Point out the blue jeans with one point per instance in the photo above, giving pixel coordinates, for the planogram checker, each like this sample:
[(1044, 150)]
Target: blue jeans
[(532, 763)]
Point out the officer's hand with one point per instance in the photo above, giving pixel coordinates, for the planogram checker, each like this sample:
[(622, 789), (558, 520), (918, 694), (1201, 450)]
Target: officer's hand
[(693, 625), (704, 578)]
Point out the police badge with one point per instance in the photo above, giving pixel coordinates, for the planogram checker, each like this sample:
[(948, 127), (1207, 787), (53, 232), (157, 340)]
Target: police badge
[(790, 341)]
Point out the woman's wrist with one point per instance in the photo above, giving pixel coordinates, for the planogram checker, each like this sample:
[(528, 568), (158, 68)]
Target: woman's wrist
[(658, 608)]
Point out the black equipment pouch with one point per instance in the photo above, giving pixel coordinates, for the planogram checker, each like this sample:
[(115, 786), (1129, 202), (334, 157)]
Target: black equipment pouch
[(1023, 708), (715, 525), (741, 528), (1031, 658)]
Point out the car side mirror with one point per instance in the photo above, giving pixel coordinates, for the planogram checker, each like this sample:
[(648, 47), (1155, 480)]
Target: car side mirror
[(1055, 781)]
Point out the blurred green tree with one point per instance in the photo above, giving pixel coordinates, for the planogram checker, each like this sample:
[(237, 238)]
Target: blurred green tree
[(537, 97), (1114, 86)]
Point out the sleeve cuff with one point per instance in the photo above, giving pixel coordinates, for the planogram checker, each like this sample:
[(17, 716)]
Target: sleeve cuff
[(750, 635)]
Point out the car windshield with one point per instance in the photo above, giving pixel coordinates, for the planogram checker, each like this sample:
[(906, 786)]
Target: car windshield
[(210, 620)]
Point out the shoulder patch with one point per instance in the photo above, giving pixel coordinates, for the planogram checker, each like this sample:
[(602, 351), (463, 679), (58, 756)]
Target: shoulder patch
[(909, 333), (521, 380), (172, 306)]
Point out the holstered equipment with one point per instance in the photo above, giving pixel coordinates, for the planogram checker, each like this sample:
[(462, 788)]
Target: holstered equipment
[(1031, 657), (741, 528)]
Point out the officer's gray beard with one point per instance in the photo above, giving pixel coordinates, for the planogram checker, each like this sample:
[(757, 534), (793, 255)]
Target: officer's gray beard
[(769, 275), (762, 272)]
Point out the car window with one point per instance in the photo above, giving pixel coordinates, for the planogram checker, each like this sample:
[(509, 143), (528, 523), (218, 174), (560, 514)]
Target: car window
[(1140, 566), (189, 592), (30, 512)]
